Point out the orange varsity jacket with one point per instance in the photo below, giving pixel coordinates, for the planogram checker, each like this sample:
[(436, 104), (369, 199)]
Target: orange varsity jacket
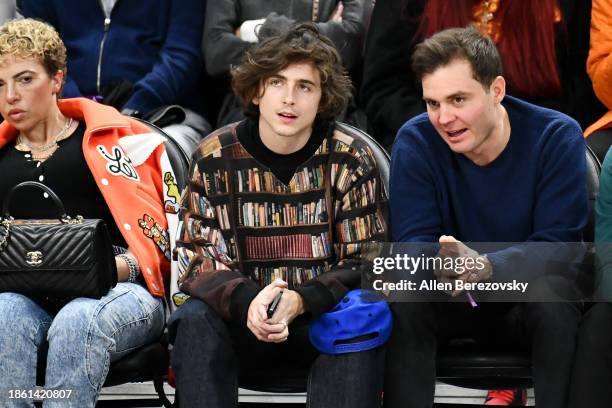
[(132, 171)]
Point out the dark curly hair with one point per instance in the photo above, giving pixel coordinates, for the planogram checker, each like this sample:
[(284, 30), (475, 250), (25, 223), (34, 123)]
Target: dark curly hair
[(301, 43)]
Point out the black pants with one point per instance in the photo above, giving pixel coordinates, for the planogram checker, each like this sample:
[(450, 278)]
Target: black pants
[(547, 330), (592, 373), (209, 355)]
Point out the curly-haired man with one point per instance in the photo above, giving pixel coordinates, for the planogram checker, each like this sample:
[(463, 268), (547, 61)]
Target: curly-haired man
[(279, 202)]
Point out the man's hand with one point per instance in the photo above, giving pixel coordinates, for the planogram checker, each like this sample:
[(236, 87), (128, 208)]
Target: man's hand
[(337, 13), (469, 265), (290, 307), (249, 29), (257, 320)]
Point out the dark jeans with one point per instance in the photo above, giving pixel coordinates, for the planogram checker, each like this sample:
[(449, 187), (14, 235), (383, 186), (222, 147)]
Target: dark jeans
[(547, 330), (592, 373), (209, 355)]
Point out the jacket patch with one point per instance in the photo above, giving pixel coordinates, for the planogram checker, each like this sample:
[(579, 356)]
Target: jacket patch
[(153, 230), (172, 198), (140, 147), (179, 299), (118, 164)]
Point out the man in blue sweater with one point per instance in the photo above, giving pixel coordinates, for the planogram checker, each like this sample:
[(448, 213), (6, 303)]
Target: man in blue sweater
[(481, 166)]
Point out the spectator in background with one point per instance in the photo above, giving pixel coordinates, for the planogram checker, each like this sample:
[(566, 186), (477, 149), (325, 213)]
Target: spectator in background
[(543, 45), (138, 56), (599, 67), (7, 10), (233, 26)]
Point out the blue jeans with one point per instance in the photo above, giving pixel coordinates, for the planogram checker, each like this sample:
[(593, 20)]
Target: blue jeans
[(84, 337), (210, 355)]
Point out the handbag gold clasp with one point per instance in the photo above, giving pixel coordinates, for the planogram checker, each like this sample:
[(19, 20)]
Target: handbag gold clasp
[(66, 219), (34, 258)]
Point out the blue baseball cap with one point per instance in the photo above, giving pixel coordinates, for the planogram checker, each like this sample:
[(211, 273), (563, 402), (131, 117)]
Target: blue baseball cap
[(360, 321)]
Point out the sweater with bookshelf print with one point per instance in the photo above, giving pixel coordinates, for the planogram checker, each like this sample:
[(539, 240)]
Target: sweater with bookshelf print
[(241, 227)]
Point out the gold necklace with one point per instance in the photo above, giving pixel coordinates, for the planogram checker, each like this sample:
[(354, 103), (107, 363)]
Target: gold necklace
[(46, 150)]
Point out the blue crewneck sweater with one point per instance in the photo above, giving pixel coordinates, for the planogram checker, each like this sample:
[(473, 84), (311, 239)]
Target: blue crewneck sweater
[(535, 190)]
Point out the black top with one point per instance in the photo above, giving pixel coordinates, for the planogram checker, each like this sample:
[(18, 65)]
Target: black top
[(66, 173), (282, 165)]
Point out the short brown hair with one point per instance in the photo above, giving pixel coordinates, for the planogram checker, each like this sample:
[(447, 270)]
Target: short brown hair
[(301, 43), (27, 38), (458, 43)]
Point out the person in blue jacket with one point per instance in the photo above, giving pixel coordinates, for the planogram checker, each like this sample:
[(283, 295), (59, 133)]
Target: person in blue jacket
[(478, 167), (137, 56)]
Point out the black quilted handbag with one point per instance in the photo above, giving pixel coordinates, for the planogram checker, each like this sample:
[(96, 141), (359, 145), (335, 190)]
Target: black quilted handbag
[(55, 259)]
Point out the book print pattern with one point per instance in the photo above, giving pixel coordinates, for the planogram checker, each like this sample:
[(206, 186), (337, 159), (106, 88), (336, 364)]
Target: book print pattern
[(242, 216)]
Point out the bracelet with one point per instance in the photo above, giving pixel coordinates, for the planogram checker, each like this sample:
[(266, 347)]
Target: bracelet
[(132, 263)]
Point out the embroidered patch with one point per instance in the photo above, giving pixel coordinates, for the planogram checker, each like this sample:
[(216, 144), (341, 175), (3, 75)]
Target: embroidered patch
[(153, 230), (118, 163), (173, 195), (179, 298)]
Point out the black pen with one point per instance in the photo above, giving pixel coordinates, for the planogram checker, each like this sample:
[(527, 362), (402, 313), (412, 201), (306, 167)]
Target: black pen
[(274, 305)]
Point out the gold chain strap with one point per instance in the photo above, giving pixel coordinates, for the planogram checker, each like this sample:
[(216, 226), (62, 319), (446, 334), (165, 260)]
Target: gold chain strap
[(6, 223)]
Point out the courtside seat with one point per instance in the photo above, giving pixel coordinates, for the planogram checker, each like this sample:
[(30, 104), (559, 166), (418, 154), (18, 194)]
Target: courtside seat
[(600, 142), (465, 363), (462, 362), (151, 362), (296, 380)]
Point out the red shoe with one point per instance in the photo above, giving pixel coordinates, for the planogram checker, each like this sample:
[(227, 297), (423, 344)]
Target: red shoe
[(507, 398)]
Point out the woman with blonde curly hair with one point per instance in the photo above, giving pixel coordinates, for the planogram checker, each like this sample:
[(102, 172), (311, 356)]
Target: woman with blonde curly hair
[(84, 152)]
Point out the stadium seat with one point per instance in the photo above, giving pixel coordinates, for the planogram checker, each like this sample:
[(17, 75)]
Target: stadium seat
[(462, 362), (296, 380), (465, 363), (600, 142), (151, 362)]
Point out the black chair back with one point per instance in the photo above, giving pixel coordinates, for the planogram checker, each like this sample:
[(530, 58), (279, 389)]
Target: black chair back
[(465, 363), (178, 156), (592, 175), (600, 142), (381, 156), (151, 362)]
